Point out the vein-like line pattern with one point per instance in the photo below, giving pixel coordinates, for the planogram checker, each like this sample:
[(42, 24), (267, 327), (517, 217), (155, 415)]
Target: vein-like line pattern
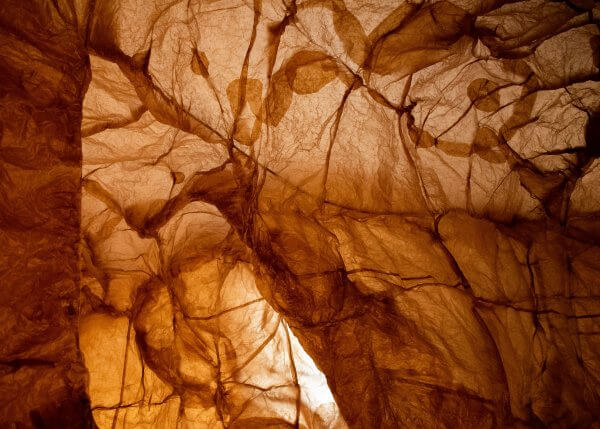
[(309, 214)]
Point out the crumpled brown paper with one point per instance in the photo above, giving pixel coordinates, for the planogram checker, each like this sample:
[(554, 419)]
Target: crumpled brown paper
[(316, 214)]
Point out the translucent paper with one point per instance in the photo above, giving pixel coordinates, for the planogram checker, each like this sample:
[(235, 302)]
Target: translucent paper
[(316, 214)]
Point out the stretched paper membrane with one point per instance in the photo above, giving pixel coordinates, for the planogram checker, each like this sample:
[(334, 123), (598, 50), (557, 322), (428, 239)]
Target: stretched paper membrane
[(309, 214)]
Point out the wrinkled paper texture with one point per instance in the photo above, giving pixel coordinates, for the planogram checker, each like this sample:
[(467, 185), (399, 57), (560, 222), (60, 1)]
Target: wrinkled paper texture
[(309, 214)]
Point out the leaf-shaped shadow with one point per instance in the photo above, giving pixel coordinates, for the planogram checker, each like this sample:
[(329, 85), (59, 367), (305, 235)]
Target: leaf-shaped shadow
[(422, 39), (409, 39), (484, 95), (251, 94), (200, 63), (306, 72), (350, 31)]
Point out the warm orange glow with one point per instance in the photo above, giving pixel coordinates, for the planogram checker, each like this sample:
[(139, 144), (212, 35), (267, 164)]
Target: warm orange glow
[(310, 214)]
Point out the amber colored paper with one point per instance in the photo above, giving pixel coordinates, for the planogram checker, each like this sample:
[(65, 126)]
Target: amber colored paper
[(308, 214)]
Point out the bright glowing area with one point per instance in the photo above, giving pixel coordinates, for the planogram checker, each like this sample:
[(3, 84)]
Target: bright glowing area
[(315, 393)]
